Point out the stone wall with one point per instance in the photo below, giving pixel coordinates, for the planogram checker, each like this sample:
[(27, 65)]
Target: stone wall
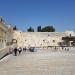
[(38, 39)]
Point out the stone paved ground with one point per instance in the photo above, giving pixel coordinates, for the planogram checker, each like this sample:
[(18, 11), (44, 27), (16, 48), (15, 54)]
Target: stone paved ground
[(39, 63)]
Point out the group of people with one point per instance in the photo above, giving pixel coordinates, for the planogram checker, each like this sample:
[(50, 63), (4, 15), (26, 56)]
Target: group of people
[(18, 50), (32, 49)]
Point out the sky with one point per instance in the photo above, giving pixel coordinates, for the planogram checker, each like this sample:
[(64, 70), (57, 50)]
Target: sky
[(25, 13)]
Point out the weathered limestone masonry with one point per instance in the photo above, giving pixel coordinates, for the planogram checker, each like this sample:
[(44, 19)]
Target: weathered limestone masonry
[(6, 36), (39, 39)]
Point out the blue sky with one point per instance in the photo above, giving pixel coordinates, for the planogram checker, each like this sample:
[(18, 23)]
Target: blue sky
[(26, 13)]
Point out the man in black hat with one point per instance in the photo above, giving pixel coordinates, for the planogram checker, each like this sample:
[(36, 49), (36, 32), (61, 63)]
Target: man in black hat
[(15, 51)]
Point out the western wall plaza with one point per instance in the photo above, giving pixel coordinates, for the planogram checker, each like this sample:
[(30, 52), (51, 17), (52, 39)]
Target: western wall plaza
[(52, 53)]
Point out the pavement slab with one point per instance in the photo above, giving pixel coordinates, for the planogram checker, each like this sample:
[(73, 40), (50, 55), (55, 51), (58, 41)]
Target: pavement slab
[(39, 63)]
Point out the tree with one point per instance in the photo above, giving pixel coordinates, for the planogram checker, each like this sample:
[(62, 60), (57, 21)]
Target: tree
[(48, 29), (39, 29), (14, 28), (30, 29)]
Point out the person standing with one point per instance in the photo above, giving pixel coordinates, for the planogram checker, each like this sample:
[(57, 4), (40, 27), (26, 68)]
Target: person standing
[(24, 49), (15, 51), (20, 50)]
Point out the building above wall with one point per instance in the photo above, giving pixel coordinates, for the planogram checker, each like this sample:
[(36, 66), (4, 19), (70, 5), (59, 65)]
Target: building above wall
[(70, 33)]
